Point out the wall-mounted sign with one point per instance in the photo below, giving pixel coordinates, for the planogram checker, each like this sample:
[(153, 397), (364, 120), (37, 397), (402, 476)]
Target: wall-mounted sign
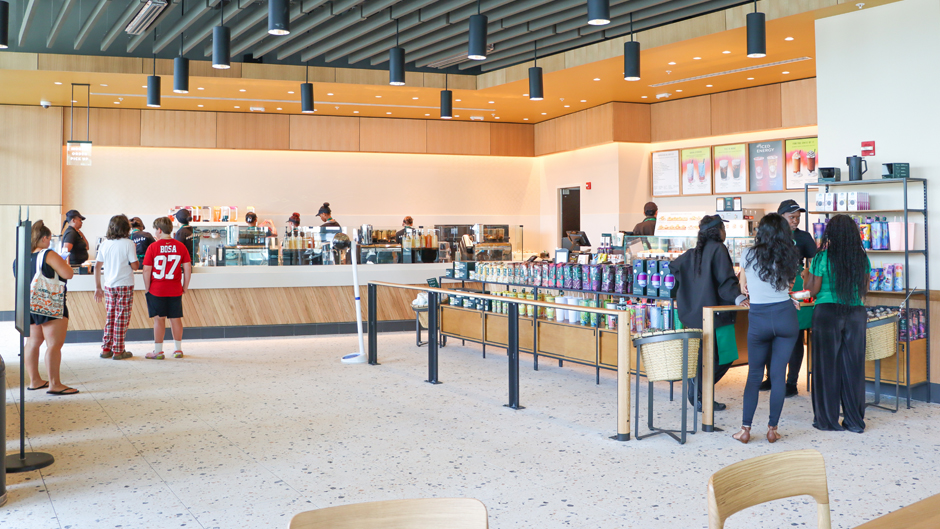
[(696, 166), (767, 165), (730, 168), (78, 153), (802, 162), (665, 169)]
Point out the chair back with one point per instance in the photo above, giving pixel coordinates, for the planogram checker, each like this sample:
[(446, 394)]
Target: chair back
[(427, 513), (767, 478)]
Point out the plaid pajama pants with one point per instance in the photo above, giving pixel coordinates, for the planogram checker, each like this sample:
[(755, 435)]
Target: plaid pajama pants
[(118, 302)]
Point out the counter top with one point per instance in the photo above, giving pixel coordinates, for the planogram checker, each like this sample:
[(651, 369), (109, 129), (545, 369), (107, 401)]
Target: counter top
[(290, 276)]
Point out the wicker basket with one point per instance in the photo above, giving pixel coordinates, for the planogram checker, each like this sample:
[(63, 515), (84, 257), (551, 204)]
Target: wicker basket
[(881, 340), (423, 318), (663, 360)]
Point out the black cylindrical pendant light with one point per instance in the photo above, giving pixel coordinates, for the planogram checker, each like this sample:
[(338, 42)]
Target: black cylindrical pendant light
[(153, 91), (535, 84), (631, 57), (181, 75), (4, 25), (477, 48), (221, 43), (598, 12), (396, 66), (306, 98), (278, 17), (447, 104), (756, 35)]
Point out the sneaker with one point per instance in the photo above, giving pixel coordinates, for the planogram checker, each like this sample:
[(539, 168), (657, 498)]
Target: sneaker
[(765, 385), (105, 353), (122, 356), (154, 355), (178, 354), (791, 391)]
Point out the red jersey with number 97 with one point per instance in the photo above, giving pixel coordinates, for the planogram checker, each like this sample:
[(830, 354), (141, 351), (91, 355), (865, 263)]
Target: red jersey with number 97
[(167, 257)]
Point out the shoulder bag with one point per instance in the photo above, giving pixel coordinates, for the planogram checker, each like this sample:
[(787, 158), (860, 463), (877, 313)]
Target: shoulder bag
[(46, 295)]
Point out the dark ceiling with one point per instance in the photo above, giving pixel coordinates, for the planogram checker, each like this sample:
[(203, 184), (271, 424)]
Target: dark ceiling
[(339, 33)]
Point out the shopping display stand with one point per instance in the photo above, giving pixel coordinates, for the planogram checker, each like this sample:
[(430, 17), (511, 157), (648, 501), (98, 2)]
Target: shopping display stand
[(908, 252), (24, 461)]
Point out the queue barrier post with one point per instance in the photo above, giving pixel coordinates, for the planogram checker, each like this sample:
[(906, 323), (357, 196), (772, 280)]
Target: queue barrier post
[(512, 349), (373, 326), (433, 344)]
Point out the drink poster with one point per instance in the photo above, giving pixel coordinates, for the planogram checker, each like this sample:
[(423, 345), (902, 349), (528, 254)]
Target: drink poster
[(801, 162), (696, 166), (665, 169), (767, 166), (730, 168)]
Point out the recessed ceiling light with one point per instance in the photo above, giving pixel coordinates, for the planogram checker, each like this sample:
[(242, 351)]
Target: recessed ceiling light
[(726, 52), (104, 85), (567, 106), (57, 82), (458, 100), (642, 97), (200, 106), (525, 95), (788, 38), (380, 97), (143, 86), (427, 114), (329, 93), (490, 102), (708, 86), (544, 114), (355, 111), (497, 117), (584, 100), (389, 113), (456, 116), (672, 64), (117, 102), (289, 92), (750, 78), (785, 73), (678, 90), (200, 88), (242, 90), (525, 119), (597, 78), (415, 98), (236, 106), (75, 100), (696, 58), (279, 108)]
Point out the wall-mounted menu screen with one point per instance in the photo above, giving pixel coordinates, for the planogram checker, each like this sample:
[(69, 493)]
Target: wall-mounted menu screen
[(767, 166), (665, 170), (696, 166), (801, 162), (730, 168)]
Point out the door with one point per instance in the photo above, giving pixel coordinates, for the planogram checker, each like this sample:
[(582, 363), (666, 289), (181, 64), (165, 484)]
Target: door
[(570, 211)]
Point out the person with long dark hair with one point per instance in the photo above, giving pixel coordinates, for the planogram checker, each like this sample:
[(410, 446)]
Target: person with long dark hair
[(839, 279), (704, 278), (770, 266)]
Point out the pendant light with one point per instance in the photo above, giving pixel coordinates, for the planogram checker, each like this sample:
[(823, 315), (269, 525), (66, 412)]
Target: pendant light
[(447, 102), (598, 12), (535, 80), (278, 17), (221, 43), (181, 64), (153, 82), (631, 57), (306, 93), (396, 63), (756, 34), (477, 49), (4, 25)]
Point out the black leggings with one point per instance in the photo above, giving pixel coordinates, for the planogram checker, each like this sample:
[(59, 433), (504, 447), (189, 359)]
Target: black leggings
[(772, 331), (796, 361), (719, 371), (839, 367)]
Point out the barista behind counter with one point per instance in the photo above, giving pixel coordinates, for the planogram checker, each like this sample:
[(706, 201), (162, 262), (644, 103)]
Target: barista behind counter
[(406, 224), (648, 226), (326, 215)]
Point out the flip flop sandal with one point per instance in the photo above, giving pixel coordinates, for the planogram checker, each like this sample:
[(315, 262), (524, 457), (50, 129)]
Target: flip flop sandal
[(46, 385), (66, 391)]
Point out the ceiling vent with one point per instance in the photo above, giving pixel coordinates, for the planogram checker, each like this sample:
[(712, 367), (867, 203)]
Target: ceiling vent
[(457, 59), (145, 17)]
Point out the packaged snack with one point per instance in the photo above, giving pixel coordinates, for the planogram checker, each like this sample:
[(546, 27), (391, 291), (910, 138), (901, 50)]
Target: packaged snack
[(586, 277), (550, 276), (569, 276), (576, 277), (607, 278), (620, 279), (595, 273), (560, 275)]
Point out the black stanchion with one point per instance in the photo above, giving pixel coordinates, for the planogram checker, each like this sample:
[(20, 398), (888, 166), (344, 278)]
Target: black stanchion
[(433, 344), (372, 314), (513, 351)]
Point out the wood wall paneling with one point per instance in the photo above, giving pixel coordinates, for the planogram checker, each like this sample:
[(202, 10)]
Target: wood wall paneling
[(205, 69), (511, 139), (30, 155), (324, 133), (393, 135), (434, 80), (798, 103), (458, 137), (177, 128), (276, 72), (414, 79), (322, 74), (681, 119), (545, 137), (461, 82), (631, 122), (746, 110), (359, 76), (11, 60), (89, 63), (253, 131), (51, 215), (108, 127)]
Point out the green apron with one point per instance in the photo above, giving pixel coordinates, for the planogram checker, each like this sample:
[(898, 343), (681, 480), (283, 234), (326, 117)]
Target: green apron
[(727, 344), (805, 315)]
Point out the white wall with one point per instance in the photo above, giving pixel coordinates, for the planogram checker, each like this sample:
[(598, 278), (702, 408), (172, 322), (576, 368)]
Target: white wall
[(876, 79)]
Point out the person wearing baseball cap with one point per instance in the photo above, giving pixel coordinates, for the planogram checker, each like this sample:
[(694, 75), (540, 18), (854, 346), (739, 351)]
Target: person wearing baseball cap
[(185, 233), (806, 248), (648, 226), (73, 240)]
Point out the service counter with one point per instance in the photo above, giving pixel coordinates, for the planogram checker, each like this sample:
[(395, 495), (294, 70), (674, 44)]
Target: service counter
[(309, 299)]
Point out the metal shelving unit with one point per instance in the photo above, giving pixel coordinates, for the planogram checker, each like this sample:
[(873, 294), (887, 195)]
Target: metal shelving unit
[(908, 252)]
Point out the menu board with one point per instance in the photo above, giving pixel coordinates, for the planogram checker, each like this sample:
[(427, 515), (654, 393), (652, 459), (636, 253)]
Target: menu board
[(801, 162), (730, 168), (665, 167), (767, 166), (696, 166), (683, 224)]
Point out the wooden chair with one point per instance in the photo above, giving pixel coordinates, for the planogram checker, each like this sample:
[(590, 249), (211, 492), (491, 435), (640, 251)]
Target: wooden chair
[(767, 478), (426, 513)]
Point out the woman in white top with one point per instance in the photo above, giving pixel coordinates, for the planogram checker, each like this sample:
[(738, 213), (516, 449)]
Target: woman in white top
[(118, 256), (770, 266)]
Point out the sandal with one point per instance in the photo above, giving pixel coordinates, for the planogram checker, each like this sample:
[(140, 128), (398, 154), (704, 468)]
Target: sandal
[(772, 435), (178, 354), (154, 355), (43, 386), (66, 391), (744, 435)]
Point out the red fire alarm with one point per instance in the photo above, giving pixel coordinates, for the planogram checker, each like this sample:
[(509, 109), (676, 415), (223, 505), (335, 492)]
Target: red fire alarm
[(587, 185), (868, 148)]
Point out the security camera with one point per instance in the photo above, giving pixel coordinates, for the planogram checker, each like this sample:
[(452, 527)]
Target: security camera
[(45, 104)]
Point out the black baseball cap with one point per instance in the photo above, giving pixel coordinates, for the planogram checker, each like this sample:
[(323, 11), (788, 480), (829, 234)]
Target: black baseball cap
[(789, 206), (184, 216), (72, 213), (710, 221), (650, 208)]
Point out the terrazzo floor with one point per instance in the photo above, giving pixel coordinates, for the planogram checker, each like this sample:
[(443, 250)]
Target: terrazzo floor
[(248, 432)]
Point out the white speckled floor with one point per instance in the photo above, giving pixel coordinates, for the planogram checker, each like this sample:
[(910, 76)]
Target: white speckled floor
[(245, 433)]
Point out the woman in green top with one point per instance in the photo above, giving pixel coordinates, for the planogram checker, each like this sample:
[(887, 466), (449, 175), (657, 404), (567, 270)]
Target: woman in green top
[(839, 278)]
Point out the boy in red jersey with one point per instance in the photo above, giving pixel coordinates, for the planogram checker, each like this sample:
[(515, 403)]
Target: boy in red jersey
[(167, 269)]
